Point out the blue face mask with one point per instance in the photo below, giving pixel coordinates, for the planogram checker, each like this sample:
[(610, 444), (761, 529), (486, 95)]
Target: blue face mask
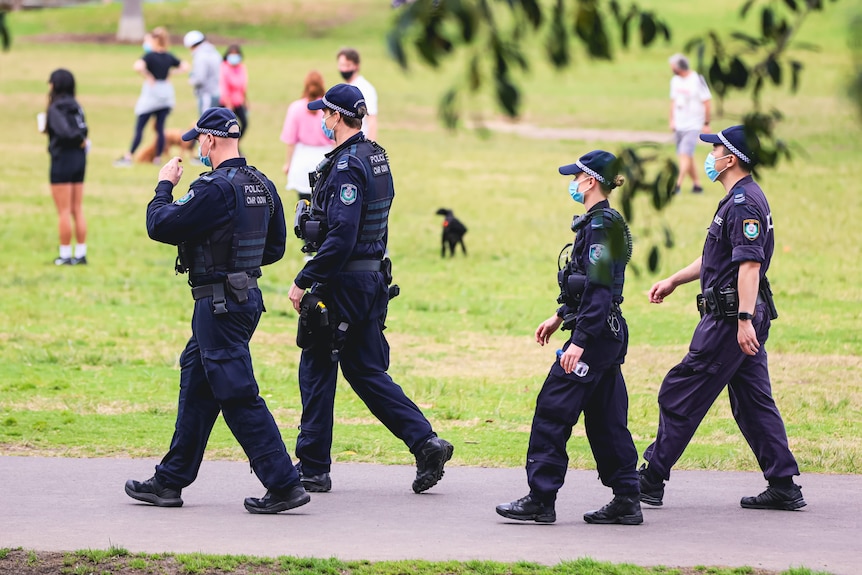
[(147, 48), (234, 59), (709, 167), (573, 191), (328, 132), (205, 160)]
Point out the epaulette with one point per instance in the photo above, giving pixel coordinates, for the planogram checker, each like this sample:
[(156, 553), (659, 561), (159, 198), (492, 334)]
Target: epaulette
[(739, 197), (342, 164)]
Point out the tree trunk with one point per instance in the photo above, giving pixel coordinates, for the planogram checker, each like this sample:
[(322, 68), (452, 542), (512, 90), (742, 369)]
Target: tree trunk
[(131, 28)]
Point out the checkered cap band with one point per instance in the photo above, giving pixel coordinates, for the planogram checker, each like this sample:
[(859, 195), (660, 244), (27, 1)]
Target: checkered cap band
[(733, 149), (341, 110), (217, 133), (590, 172)]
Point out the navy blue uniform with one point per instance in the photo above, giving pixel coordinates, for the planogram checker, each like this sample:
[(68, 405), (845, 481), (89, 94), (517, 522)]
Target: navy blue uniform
[(600, 393), (226, 223), (741, 231), (353, 201)]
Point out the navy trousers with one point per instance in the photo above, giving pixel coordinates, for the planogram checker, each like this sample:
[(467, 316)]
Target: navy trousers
[(603, 399), (216, 375), (714, 361), (364, 361)]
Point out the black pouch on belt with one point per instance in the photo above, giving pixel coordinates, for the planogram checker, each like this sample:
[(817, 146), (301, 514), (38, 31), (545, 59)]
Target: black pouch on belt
[(313, 326), (237, 286)]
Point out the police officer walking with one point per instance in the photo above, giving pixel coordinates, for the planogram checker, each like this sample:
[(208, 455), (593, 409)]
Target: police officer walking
[(727, 349), (586, 376), (348, 276), (226, 226)]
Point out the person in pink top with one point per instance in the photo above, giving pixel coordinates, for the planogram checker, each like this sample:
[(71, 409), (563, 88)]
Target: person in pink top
[(233, 85), (306, 142)]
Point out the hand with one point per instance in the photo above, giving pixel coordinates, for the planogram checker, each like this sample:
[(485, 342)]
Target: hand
[(746, 337), (571, 357), (286, 167), (295, 295), (172, 171), (705, 129), (547, 328), (672, 126), (661, 290)]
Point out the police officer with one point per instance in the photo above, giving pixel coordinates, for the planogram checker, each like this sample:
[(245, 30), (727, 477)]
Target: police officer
[(727, 349), (227, 225), (351, 201), (586, 377)]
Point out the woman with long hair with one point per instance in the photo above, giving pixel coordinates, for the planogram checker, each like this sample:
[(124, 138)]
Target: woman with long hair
[(67, 144), (157, 97), (306, 142)]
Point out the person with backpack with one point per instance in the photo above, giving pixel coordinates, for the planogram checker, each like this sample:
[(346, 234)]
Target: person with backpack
[(67, 144)]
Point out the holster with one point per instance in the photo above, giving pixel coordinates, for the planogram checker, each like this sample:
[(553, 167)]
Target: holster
[(313, 327), (765, 293)]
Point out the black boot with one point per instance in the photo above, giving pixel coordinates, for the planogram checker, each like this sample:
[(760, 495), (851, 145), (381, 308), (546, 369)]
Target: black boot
[(316, 483), (275, 501), (151, 491), (652, 492), (781, 498), (623, 509), (528, 508), (430, 459)]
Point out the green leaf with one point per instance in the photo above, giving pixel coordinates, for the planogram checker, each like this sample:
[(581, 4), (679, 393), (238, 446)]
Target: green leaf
[(738, 74), (792, 5), (745, 8), (533, 12), (767, 23), (773, 68), (507, 95), (448, 108), (795, 69), (668, 238), (647, 28), (396, 49), (653, 259)]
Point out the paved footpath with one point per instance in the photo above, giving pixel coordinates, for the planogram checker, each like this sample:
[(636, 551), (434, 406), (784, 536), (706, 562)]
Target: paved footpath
[(70, 504)]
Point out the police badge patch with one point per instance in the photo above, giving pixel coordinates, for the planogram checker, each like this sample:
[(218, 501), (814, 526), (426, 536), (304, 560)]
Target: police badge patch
[(185, 199), (596, 253), (348, 194), (751, 229)]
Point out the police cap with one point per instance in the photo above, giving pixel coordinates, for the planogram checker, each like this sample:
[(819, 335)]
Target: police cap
[(736, 142), (220, 122), (343, 98), (599, 164)]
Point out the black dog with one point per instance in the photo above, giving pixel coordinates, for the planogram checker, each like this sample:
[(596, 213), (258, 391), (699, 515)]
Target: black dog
[(453, 233)]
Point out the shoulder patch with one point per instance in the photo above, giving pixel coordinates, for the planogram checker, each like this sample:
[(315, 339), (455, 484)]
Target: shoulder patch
[(751, 229), (596, 253), (739, 198), (347, 194), (597, 223), (185, 199), (341, 165)]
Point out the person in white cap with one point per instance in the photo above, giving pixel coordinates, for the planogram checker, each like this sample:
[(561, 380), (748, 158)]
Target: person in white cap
[(206, 69)]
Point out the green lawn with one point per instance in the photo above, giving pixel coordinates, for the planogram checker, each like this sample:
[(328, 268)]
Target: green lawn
[(88, 355)]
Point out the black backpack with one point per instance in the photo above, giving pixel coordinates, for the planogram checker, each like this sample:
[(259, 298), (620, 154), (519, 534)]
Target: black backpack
[(71, 127)]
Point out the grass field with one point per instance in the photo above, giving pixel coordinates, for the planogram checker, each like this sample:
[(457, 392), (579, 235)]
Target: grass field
[(88, 355)]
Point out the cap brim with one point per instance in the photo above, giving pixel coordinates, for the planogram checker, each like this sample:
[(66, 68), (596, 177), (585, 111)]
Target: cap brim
[(710, 138), (570, 170), (316, 105), (190, 135)]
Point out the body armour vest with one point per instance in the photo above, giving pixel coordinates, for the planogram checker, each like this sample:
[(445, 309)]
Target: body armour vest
[(239, 244), (376, 198), (618, 241)]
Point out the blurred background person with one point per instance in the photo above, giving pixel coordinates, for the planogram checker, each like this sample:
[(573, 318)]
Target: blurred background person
[(206, 69), (157, 97), (305, 140), (67, 144), (233, 86), (348, 67), (689, 116)]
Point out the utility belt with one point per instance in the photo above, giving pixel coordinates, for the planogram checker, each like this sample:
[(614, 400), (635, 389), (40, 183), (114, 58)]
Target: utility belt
[(236, 284), (724, 303), (384, 265)]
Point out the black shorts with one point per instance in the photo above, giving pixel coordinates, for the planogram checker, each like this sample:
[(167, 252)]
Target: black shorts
[(68, 166)]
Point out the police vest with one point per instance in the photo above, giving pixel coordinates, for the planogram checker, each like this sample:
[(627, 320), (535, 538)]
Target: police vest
[(378, 195), (615, 223), (239, 244)]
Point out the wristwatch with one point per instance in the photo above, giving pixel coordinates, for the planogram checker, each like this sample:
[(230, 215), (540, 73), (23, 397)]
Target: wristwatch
[(745, 316)]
